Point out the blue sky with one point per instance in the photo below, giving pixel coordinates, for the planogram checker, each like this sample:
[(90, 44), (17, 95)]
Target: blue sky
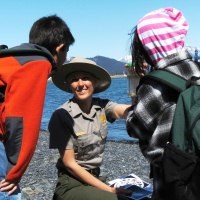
[(100, 27)]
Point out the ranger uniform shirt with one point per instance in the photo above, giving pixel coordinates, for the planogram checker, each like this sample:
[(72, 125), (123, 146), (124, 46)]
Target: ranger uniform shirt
[(70, 128)]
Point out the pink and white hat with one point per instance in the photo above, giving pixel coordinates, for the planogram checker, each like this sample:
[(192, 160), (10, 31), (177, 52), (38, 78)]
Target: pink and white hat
[(162, 32)]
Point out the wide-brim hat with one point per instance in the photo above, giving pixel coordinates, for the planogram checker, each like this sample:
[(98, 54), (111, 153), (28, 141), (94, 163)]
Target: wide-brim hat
[(79, 64)]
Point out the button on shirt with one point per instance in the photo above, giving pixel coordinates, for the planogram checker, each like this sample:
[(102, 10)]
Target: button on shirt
[(70, 128)]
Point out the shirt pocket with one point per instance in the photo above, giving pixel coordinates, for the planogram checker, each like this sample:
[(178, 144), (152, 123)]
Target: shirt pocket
[(86, 146)]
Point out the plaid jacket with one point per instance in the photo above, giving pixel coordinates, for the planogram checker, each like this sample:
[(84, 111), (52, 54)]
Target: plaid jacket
[(151, 119)]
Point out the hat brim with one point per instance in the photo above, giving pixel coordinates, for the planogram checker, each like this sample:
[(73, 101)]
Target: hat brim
[(102, 76)]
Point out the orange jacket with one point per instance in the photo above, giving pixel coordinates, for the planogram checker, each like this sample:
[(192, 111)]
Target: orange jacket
[(24, 79)]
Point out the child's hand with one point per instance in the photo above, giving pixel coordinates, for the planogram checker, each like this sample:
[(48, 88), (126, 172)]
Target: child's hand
[(7, 186)]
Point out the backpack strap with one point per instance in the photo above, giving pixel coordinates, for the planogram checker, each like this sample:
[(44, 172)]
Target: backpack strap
[(168, 78)]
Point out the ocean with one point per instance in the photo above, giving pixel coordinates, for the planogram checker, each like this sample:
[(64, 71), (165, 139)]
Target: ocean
[(117, 92)]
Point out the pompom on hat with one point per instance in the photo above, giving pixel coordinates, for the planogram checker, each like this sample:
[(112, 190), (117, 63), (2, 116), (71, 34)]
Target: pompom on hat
[(79, 64), (162, 32)]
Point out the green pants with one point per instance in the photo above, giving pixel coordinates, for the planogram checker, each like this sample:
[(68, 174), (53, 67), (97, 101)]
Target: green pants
[(68, 188)]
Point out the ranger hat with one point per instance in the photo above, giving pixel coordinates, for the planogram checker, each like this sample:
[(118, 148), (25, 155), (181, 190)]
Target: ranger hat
[(79, 64)]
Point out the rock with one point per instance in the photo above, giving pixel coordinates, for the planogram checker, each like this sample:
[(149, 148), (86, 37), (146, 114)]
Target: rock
[(39, 180)]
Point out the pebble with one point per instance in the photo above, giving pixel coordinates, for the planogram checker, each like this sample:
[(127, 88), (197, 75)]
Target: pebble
[(120, 158)]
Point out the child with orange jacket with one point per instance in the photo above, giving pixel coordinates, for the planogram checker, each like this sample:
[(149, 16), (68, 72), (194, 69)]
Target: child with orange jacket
[(23, 80)]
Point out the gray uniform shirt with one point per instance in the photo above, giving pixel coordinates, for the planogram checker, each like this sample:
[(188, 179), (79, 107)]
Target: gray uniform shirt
[(70, 128)]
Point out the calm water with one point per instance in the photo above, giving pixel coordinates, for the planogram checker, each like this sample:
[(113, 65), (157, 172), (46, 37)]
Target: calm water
[(116, 92)]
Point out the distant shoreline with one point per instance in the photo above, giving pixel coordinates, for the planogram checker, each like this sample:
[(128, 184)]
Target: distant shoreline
[(119, 76)]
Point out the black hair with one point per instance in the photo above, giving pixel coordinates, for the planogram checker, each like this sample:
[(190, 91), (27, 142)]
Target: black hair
[(50, 32), (138, 53)]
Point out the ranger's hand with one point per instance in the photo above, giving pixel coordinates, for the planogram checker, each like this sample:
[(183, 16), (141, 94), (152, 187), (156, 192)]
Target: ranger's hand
[(121, 191)]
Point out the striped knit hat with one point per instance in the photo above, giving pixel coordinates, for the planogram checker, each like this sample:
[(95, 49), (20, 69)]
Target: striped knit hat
[(162, 32)]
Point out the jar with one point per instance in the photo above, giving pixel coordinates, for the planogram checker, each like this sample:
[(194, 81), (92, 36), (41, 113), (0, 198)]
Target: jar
[(133, 80)]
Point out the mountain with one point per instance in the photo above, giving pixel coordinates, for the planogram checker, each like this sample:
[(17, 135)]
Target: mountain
[(126, 59), (114, 67)]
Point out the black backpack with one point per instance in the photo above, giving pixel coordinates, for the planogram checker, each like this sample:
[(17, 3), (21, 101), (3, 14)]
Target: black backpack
[(181, 159)]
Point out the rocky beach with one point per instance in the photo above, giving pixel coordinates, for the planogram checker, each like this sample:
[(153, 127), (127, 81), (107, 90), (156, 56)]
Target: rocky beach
[(120, 158)]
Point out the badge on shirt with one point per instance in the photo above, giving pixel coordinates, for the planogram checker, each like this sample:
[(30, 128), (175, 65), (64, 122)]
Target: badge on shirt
[(81, 133), (103, 118)]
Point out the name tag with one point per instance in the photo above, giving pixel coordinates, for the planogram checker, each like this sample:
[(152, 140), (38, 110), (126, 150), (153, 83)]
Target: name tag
[(81, 133)]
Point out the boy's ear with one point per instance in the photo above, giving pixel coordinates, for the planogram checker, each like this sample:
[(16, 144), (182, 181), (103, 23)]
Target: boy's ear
[(59, 48)]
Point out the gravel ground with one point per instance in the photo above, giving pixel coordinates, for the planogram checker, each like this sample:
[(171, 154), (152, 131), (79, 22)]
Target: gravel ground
[(120, 158)]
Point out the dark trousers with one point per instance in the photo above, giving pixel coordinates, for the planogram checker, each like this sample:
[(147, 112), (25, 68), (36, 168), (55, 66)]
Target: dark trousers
[(69, 188)]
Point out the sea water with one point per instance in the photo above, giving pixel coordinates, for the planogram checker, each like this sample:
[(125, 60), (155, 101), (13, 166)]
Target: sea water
[(117, 92)]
